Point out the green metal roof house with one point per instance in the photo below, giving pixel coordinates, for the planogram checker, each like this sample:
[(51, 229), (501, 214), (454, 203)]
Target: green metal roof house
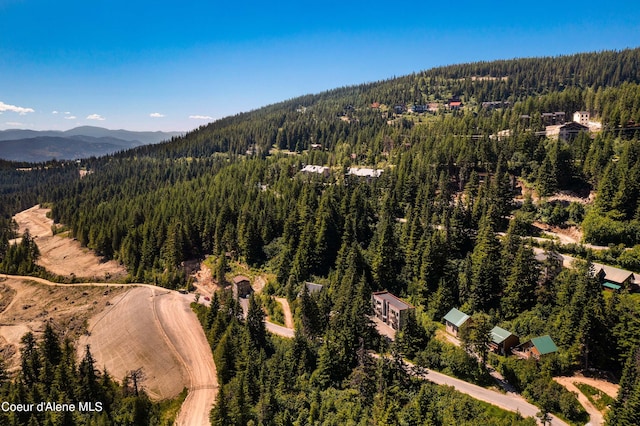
[(454, 320), (502, 340), (538, 346)]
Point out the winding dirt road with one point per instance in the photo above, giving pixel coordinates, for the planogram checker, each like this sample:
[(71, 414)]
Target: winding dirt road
[(596, 417)]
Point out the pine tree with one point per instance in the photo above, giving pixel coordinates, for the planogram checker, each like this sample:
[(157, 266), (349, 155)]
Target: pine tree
[(486, 275), (255, 322), (520, 291)]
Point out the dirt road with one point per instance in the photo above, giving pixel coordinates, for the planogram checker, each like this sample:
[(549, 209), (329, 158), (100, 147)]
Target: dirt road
[(185, 335), (288, 318), (596, 417)]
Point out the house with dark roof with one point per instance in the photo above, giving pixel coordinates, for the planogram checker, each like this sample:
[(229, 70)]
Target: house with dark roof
[(311, 288), (537, 347), (390, 310), (613, 278), (454, 320), (502, 340), (241, 286)]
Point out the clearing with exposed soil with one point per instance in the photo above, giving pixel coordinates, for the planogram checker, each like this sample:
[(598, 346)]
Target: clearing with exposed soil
[(26, 305), (60, 254)]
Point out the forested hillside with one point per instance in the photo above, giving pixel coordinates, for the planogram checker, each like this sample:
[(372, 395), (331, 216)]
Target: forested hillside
[(441, 227)]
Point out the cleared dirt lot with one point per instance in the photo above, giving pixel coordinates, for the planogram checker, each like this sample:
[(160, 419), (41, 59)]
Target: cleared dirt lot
[(128, 336), (26, 305), (60, 254), (155, 329)]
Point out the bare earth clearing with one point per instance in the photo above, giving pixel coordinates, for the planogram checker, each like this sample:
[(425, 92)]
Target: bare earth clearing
[(130, 326), (596, 417), (26, 306), (63, 255)]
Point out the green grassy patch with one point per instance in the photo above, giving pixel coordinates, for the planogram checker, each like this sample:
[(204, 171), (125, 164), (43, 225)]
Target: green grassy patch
[(599, 399), (169, 408), (274, 310)]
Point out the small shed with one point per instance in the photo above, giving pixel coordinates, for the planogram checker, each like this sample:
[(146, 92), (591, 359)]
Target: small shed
[(241, 287), (454, 320), (502, 340), (538, 346)]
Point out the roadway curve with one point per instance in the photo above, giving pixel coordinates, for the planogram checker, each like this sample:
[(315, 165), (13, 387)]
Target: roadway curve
[(596, 417), (185, 338), (509, 401)]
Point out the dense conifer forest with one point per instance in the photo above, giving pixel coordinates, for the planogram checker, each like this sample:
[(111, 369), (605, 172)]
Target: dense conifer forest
[(442, 227)]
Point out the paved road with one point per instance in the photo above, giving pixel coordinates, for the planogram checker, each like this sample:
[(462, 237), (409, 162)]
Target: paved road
[(509, 401), (279, 330), (270, 326)]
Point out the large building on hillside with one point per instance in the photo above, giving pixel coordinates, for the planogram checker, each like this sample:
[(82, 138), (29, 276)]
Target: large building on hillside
[(390, 310)]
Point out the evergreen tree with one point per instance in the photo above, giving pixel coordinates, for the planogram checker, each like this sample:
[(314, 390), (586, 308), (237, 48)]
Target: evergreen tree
[(520, 292)]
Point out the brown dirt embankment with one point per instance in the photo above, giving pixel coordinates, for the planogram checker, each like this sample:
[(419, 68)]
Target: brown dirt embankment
[(61, 254)]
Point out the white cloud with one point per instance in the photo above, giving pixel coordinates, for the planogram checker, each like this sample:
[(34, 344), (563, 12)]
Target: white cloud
[(54, 112), (156, 115), (95, 117), (200, 117), (13, 123), (67, 112), (13, 108), (70, 117)]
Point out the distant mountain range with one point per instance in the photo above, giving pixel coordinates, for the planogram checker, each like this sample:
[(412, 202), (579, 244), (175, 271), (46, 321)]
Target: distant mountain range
[(80, 142)]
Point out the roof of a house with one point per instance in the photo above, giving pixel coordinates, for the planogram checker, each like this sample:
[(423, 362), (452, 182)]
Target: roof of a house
[(313, 287), (574, 125), (365, 172), (544, 344), (456, 317), (239, 278), (610, 285), (499, 335), (314, 169), (392, 300), (614, 275)]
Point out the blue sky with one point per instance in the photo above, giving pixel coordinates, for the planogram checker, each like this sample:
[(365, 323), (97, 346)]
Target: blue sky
[(169, 65)]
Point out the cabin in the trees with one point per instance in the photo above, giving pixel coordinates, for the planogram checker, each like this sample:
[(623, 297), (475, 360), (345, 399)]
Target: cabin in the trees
[(455, 104), (364, 173), (615, 278), (316, 170), (311, 288), (537, 347), (241, 287), (502, 340), (399, 108), (418, 108), (390, 310), (454, 320)]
